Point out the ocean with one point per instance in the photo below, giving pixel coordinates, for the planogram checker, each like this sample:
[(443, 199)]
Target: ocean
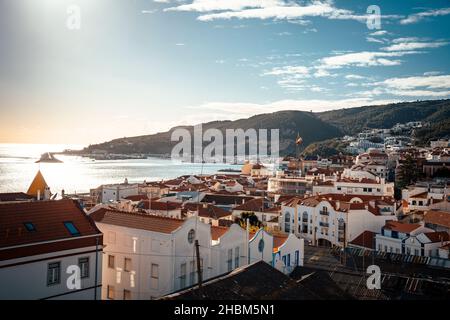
[(79, 175)]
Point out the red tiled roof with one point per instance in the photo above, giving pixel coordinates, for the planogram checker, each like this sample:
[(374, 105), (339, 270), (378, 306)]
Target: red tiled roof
[(217, 232), (438, 236), (252, 205), (138, 197), (365, 239), (160, 206), (137, 221), (401, 227), (207, 210), (278, 241), (48, 218), (440, 218), (16, 196)]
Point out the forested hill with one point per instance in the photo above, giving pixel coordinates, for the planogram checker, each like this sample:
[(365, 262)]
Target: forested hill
[(313, 127)]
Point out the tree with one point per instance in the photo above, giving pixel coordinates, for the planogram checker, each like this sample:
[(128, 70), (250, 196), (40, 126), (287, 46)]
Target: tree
[(409, 172), (254, 222)]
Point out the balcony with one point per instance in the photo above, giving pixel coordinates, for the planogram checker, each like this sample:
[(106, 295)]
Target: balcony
[(324, 213), (324, 224), (305, 220)]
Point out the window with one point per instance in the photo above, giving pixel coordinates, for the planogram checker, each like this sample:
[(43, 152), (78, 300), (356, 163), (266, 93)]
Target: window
[(192, 274), (154, 276), (408, 251), (126, 294), (379, 247), (385, 248), (83, 263), (261, 245), (54, 273), (127, 265), (110, 294), (183, 275), (287, 222), (111, 262), (71, 228), (155, 271), (191, 236), (297, 257), (230, 260), (416, 252), (236, 257), (288, 259), (29, 226)]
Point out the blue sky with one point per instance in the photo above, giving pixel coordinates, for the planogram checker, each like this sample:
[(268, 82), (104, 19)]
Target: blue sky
[(141, 66)]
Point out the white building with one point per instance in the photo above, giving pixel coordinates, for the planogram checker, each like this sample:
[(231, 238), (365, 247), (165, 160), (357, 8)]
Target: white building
[(412, 239), (231, 186), (147, 256), (43, 247), (361, 186), (332, 219), (288, 253), (115, 192), (394, 234)]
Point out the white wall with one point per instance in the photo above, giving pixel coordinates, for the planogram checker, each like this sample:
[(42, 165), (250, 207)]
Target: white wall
[(29, 281)]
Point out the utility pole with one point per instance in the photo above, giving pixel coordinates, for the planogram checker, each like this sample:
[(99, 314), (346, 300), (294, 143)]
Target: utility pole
[(199, 267)]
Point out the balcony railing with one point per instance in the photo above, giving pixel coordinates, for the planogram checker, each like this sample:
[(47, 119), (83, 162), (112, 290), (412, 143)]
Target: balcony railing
[(324, 213), (324, 224), (305, 220)]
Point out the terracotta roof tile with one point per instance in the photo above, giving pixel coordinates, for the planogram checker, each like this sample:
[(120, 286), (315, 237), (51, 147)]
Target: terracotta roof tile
[(48, 219), (365, 239), (401, 227), (137, 221), (440, 218), (217, 232)]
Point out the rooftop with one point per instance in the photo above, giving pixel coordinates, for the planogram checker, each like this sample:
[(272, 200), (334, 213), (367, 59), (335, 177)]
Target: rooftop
[(137, 221)]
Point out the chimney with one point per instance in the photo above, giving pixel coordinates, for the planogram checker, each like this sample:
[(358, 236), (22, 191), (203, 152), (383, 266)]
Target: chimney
[(338, 204), (38, 195)]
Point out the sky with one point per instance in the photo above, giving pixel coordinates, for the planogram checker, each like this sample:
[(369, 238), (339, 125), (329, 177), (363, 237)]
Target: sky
[(87, 71)]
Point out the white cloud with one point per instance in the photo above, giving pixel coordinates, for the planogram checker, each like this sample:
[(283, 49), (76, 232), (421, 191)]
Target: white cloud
[(378, 33), (428, 82), (354, 77), (221, 5), (179, 44), (419, 86), (432, 73), (236, 110), (362, 59), (285, 33), (419, 93), (149, 11), (288, 70), (408, 45), (372, 39), (269, 9), (413, 18)]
